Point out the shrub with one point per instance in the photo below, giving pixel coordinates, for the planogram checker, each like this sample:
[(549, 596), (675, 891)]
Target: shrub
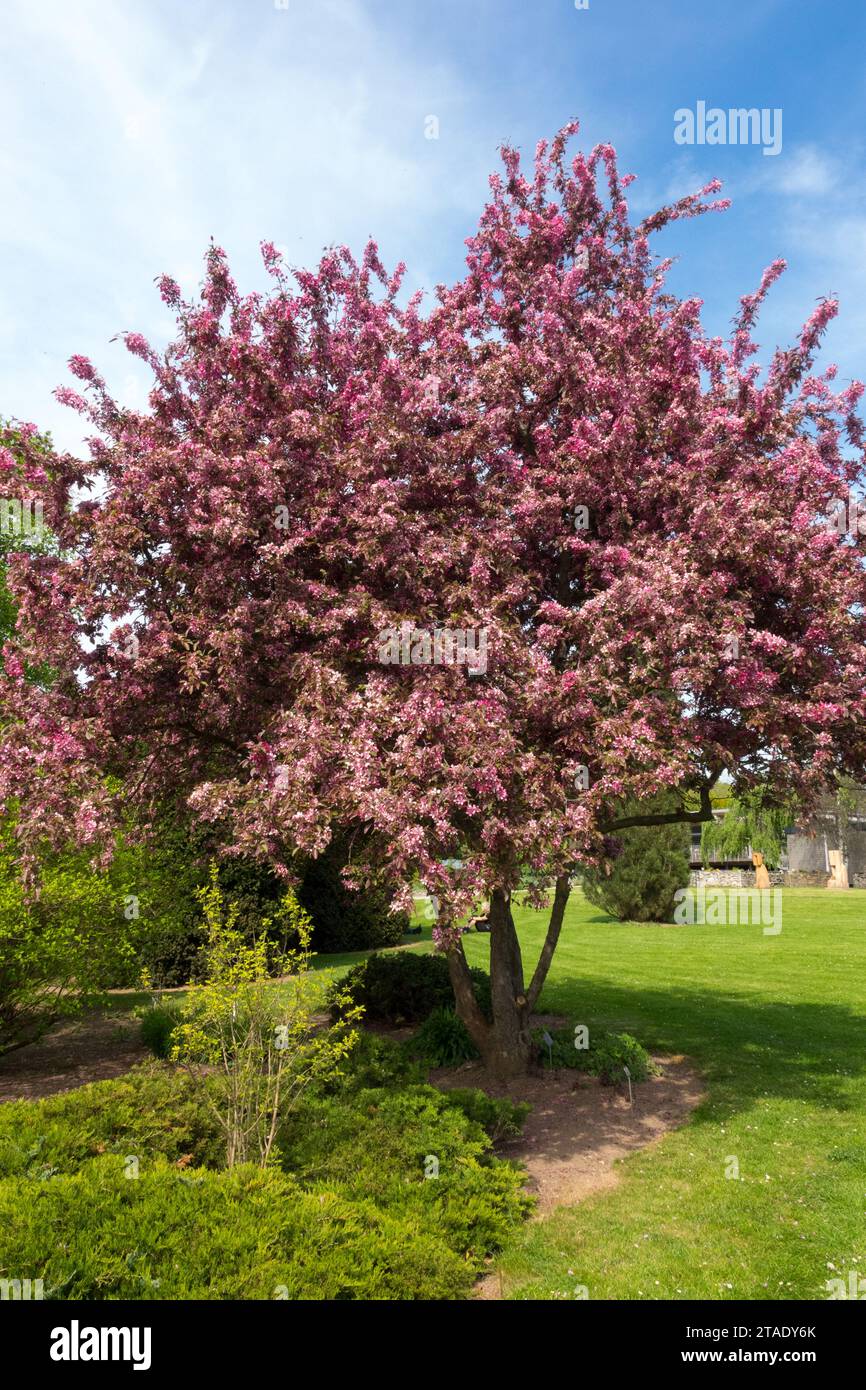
[(153, 1111), (412, 1150), (157, 1026), (616, 1051), (263, 1041), (605, 1057), (500, 1119), (442, 1040), (345, 918), (651, 863), (373, 1062), (248, 1233), (380, 1063), (405, 987)]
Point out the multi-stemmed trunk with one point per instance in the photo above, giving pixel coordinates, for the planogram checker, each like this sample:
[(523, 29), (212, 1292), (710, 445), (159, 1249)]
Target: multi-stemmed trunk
[(505, 1043)]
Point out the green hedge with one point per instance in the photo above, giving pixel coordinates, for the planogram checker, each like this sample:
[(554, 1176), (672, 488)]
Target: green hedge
[(406, 986)]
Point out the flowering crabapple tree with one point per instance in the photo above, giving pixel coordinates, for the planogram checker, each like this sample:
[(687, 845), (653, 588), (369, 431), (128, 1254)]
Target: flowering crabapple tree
[(555, 454)]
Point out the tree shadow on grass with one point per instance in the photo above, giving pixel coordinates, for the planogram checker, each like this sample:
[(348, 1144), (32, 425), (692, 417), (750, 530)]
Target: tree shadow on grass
[(747, 1049)]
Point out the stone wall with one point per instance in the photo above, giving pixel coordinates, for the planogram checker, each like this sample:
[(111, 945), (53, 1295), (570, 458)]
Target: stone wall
[(745, 878), (800, 878), (732, 878), (719, 878)]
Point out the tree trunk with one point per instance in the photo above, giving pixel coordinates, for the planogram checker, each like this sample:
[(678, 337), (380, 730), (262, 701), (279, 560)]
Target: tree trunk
[(508, 1050), (468, 1008), (505, 1044)]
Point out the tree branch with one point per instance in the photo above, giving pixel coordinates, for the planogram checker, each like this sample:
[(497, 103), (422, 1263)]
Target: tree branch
[(677, 817), (554, 927)]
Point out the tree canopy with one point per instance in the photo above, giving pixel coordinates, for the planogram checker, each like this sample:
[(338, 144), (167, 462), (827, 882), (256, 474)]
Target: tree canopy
[(554, 454)]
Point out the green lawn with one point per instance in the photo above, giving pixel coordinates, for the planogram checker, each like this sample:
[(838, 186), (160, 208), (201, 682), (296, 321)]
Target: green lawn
[(777, 1026)]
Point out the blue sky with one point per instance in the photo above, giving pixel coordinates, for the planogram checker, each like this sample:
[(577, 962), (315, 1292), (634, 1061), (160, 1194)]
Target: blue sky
[(135, 131)]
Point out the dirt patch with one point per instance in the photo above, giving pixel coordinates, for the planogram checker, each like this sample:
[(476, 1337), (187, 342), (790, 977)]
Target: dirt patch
[(577, 1128), (74, 1052)]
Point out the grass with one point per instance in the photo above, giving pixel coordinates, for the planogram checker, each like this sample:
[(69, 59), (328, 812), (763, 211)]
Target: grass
[(777, 1026), (342, 961)]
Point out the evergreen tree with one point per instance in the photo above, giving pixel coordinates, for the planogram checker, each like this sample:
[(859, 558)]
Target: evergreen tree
[(647, 866)]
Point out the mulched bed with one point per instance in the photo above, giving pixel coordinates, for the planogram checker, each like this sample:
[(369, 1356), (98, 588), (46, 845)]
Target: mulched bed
[(578, 1128), (94, 1048)]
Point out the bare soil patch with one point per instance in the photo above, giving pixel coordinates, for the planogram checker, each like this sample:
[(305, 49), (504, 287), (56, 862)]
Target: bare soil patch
[(95, 1048), (578, 1128)]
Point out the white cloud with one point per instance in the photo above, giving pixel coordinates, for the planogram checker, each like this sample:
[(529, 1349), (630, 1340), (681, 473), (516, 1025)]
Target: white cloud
[(152, 128), (806, 171)]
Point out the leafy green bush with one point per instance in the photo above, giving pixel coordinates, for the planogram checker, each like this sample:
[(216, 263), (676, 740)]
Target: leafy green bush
[(605, 1057), (651, 863), (157, 1025), (153, 1111), (442, 1040), (248, 1233), (614, 1052), (373, 1062), (378, 1063), (346, 919), (500, 1119), (405, 986)]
